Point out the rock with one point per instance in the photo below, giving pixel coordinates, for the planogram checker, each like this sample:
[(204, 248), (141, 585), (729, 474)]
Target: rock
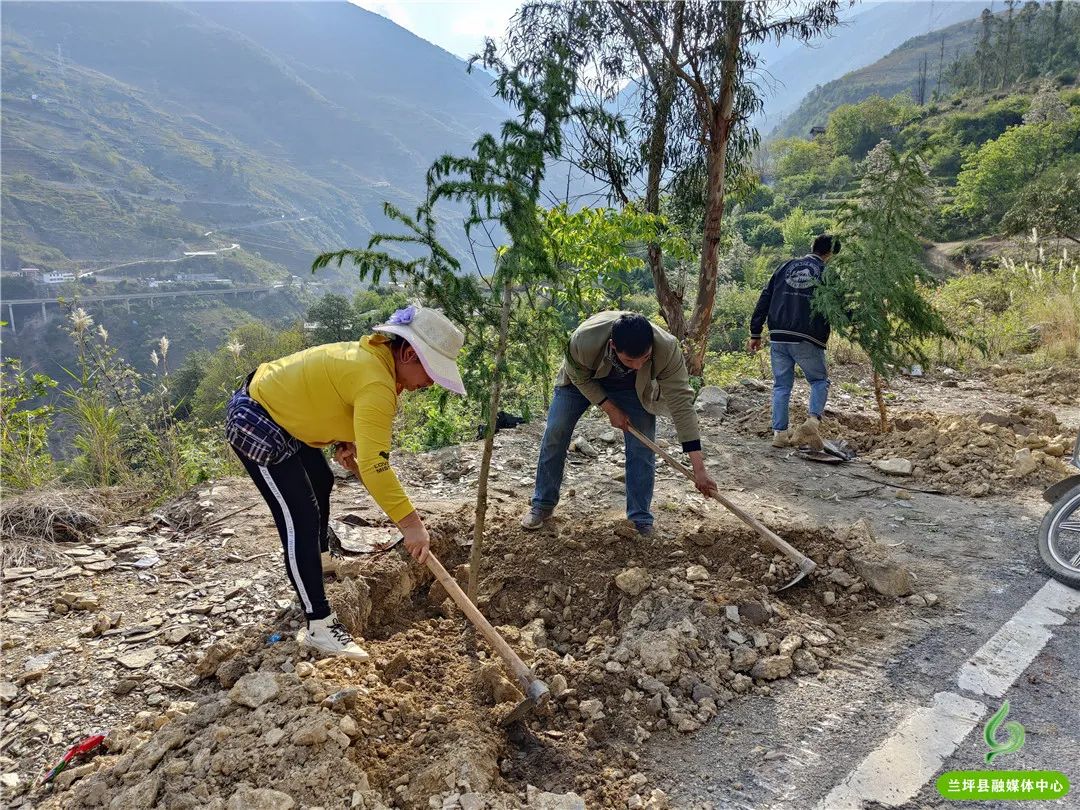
[(790, 644), (558, 684), (743, 658), (349, 726), (1024, 463), (931, 598), (304, 669), (702, 691), (658, 650), (312, 733), (591, 709), (581, 445), (140, 659), (805, 663), (657, 800), (8, 691), (829, 598), (9, 780), (772, 667), (609, 437), (177, 635), (892, 466), (539, 800), (711, 402), (140, 796), (754, 613), (632, 581), (755, 385), (841, 578), (247, 798), (212, 659), (741, 683), (1055, 449), (886, 578), (231, 671), (697, 573), (534, 634), (254, 689)]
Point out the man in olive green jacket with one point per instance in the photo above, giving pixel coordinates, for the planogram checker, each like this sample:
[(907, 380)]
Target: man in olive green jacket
[(632, 370)]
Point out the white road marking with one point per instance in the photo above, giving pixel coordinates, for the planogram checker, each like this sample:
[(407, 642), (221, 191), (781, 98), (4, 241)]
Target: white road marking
[(1002, 659), (893, 772), (908, 758)]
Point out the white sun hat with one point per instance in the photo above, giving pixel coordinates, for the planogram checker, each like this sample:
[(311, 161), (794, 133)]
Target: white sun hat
[(435, 339)]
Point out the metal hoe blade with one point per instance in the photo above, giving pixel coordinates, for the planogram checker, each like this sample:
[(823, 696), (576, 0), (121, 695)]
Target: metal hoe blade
[(537, 695), (803, 571)]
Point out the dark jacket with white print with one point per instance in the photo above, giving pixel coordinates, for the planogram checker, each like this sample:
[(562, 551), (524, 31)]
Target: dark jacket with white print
[(785, 304)]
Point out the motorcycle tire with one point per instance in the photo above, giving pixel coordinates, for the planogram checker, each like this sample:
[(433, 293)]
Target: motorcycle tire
[(1064, 508)]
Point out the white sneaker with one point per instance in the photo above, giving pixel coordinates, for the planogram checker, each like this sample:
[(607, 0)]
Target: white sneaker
[(330, 636)]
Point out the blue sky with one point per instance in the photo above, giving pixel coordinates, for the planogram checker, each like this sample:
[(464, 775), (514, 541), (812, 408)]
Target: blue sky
[(456, 26)]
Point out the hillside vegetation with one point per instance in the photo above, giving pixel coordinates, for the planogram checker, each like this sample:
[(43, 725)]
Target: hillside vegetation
[(981, 55)]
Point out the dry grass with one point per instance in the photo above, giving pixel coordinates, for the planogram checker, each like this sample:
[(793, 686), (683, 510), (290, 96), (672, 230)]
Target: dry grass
[(35, 524)]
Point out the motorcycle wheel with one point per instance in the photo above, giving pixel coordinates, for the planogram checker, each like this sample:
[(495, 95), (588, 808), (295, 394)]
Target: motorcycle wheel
[(1059, 538)]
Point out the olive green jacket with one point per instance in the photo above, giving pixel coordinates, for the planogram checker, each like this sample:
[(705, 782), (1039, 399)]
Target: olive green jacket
[(663, 383)]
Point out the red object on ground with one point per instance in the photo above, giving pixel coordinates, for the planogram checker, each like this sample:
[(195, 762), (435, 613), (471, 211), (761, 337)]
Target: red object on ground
[(84, 747)]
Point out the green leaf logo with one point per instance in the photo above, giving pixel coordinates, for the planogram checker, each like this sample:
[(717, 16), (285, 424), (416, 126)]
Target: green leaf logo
[(1015, 740)]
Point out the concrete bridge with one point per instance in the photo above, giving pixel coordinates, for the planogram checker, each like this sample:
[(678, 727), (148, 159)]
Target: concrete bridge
[(127, 298)]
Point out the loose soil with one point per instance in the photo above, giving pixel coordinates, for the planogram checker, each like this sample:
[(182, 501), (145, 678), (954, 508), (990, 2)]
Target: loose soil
[(175, 634)]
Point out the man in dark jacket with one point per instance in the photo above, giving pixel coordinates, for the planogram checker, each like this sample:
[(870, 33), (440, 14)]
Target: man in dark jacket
[(798, 337)]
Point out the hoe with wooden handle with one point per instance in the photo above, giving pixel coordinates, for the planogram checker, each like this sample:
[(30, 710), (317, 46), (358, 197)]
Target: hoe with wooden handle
[(806, 565), (536, 691)]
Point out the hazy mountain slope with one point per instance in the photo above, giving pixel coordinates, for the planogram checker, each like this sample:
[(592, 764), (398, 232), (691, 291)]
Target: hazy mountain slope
[(870, 32), (897, 72)]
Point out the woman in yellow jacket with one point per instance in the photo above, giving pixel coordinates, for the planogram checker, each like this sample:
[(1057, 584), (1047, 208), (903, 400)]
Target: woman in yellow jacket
[(343, 393)]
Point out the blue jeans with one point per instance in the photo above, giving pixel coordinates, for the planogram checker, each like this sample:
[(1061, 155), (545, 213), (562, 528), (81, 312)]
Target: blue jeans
[(811, 359), (567, 406)]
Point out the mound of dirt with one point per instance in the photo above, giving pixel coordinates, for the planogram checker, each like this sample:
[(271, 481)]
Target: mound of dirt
[(964, 454), (635, 637), (1055, 385), (972, 455)]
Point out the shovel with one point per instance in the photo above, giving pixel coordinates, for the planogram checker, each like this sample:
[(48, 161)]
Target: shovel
[(806, 565), (536, 691)]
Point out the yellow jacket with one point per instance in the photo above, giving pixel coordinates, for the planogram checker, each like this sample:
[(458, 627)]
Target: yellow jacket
[(340, 392)]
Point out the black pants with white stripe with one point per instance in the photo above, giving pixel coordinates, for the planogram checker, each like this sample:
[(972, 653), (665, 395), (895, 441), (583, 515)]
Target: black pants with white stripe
[(297, 491)]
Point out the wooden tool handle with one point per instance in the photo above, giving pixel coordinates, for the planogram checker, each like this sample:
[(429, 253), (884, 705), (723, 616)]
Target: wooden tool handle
[(497, 642), (771, 537)]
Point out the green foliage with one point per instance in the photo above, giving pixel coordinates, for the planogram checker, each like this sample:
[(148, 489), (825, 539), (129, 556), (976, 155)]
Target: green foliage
[(1050, 206), (335, 318), (600, 250), (854, 129), (248, 346), (760, 230), (875, 293), (24, 427), (992, 177), (798, 230), (724, 369), (731, 317)]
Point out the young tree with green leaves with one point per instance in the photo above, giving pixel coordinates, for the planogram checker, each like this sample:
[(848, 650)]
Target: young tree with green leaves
[(874, 293), (694, 64), (500, 183)]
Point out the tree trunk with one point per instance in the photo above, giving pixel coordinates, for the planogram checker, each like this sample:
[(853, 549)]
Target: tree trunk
[(883, 419), (719, 128), (476, 555), (669, 298)]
